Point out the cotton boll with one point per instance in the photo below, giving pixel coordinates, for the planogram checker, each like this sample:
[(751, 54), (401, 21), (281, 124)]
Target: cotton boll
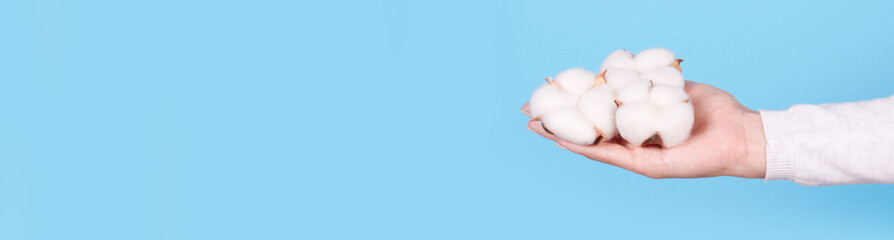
[(576, 80), (634, 91), (654, 57), (674, 123), (549, 97), (599, 107), (619, 59), (667, 75), (618, 77), (570, 124), (639, 97), (599, 93), (665, 95), (635, 120)]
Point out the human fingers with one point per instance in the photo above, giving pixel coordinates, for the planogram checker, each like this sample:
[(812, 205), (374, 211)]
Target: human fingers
[(536, 127), (606, 152), (526, 109)]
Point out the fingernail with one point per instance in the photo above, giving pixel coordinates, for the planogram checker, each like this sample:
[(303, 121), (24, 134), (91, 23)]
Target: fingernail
[(525, 113), (560, 146), (531, 123), (529, 128)]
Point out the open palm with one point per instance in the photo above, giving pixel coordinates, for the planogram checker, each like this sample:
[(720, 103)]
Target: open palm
[(727, 140)]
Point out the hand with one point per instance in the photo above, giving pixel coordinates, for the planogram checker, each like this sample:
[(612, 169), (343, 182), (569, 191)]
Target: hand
[(727, 140)]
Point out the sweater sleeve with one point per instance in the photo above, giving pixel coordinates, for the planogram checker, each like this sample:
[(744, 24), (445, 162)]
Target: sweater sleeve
[(827, 144)]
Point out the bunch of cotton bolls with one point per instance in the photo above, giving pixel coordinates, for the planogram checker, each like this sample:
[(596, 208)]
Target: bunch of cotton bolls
[(640, 97)]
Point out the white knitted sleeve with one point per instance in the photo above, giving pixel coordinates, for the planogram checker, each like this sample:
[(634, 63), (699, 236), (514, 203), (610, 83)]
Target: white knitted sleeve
[(826, 144)]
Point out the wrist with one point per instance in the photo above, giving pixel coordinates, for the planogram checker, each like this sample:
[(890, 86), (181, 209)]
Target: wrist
[(755, 159)]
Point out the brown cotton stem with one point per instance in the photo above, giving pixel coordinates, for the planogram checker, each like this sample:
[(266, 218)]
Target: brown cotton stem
[(551, 82), (600, 79), (599, 136), (655, 139), (677, 64), (618, 103)]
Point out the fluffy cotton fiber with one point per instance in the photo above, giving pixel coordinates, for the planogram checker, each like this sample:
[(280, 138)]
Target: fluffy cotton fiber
[(653, 58), (619, 59), (639, 97), (551, 96), (570, 124), (576, 80), (577, 106), (599, 107)]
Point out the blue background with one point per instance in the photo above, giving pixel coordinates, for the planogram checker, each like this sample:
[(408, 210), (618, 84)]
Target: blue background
[(397, 119)]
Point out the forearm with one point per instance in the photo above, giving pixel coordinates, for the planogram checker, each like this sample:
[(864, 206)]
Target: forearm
[(830, 144)]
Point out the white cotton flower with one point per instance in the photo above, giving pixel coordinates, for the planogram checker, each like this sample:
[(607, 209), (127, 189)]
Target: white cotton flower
[(619, 59), (599, 106), (576, 80), (654, 57), (619, 77), (664, 117), (633, 91), (665, 95), (570, 124), (674, 123), (638, 97), (635, 120), (549, 97), (585, 118), (667, 75)]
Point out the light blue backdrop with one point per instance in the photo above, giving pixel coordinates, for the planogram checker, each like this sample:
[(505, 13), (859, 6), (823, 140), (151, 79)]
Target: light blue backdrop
[(397, 119)]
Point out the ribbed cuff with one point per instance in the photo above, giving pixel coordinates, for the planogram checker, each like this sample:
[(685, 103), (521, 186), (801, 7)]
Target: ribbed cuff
[(780, 153)]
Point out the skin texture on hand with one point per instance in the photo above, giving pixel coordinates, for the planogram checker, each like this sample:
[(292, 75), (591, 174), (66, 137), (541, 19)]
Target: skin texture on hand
[(727, 140)]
